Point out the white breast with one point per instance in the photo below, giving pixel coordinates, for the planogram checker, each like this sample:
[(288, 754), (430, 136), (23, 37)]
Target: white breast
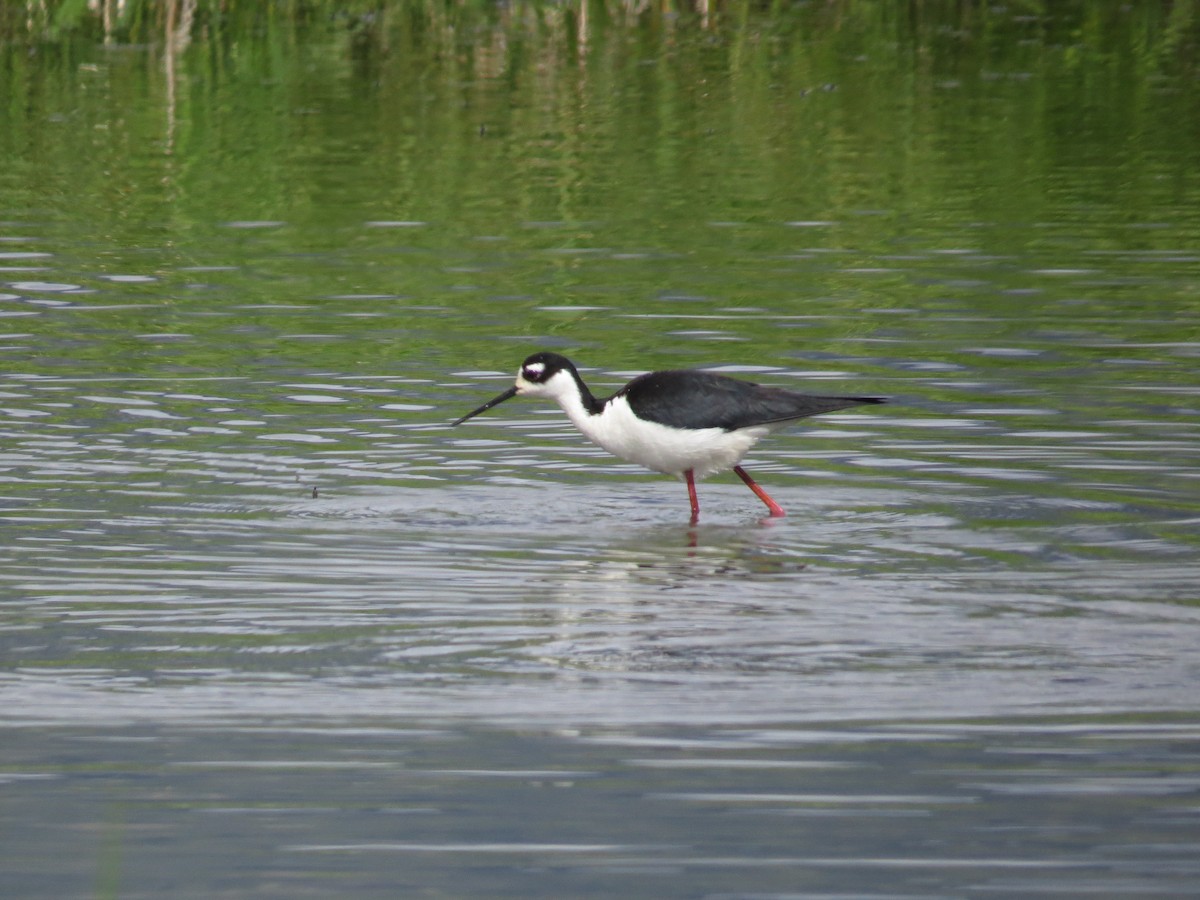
[(659, 447)]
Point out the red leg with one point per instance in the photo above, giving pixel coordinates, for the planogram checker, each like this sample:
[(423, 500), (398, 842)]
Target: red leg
[(691, 483), (775, 508)]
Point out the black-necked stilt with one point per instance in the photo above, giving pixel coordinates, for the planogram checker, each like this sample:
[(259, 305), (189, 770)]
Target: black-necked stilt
[(680, 422)]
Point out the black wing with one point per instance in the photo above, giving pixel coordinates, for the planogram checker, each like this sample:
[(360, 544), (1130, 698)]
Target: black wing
[(693, 399)]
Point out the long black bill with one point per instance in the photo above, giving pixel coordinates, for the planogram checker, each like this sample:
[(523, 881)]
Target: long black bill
[(495, 401)]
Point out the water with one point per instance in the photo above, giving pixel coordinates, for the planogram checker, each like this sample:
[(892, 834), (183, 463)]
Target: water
[(269, 627), (881, 810)]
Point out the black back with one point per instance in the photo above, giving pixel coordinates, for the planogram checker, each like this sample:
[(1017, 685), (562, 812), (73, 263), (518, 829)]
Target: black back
[(695, 399)]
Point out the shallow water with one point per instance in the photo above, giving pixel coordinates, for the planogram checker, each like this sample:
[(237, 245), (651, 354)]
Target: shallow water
[(492, 662), (270, 627)]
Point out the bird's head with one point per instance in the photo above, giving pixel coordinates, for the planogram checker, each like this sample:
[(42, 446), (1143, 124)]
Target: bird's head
[(541, 375)]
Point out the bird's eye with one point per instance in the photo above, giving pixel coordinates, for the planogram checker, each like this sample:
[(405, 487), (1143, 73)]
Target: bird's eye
[(534, 372)]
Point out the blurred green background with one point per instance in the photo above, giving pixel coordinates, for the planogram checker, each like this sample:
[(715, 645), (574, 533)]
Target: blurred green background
[(427, 183)]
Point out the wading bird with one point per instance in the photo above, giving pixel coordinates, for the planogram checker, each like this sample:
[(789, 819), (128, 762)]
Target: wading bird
[(679, 422)]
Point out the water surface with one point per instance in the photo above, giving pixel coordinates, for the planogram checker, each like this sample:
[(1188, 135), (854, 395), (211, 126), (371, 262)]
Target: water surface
[(270, 627)]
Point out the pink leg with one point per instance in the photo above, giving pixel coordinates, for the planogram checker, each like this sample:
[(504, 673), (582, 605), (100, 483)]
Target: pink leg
[(691, 483), (775, 508)]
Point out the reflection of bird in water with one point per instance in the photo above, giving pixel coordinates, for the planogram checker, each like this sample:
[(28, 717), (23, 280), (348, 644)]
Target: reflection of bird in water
[(679, 422), (639, 562)]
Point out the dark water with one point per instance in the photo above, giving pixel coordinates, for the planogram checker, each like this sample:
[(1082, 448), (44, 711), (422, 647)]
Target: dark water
[(1012, 808), (269, 627)]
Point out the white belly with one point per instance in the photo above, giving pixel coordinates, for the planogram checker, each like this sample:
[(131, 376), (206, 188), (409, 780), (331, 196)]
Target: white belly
[(659, 447)]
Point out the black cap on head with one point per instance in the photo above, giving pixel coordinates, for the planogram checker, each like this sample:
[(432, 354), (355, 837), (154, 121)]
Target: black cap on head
[(541, 367)]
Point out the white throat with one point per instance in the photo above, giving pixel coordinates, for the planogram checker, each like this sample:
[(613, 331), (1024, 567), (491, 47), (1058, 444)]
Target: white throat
[(563, 390)]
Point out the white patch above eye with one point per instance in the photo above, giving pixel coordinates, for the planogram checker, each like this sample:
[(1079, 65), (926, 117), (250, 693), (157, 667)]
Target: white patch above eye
[(534, 370)]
